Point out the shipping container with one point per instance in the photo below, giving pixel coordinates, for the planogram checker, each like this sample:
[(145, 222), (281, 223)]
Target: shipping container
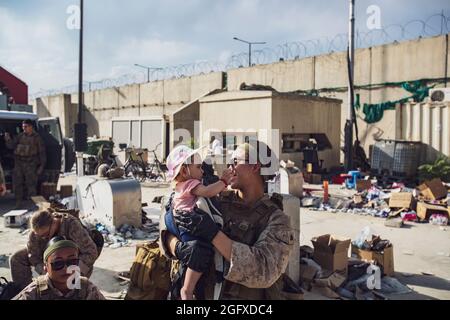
[(426, 122)]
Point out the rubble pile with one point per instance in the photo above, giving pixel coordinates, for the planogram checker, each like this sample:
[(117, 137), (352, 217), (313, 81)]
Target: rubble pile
[(122, 236), (368, 274), (428, 202)]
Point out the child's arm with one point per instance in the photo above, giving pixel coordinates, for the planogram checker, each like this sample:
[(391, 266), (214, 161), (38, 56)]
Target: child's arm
[(209, 191), (213, 189)]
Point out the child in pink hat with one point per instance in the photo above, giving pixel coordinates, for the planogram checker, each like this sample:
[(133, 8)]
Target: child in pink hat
[(185, 169)]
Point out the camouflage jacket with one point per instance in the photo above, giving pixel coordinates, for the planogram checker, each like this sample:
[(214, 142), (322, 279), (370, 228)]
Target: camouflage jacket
[(255, 263), (37, 291), (28, 147), (71, 229)]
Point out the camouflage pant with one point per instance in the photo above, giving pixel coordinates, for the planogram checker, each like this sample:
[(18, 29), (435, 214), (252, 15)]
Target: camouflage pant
[(25, 175), (21, 269)]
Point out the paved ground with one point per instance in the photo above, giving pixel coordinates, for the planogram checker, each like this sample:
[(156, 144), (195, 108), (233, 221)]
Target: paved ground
[(417, 248)]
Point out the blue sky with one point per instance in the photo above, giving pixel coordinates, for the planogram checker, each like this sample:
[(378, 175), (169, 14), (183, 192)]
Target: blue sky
[(36, 44)]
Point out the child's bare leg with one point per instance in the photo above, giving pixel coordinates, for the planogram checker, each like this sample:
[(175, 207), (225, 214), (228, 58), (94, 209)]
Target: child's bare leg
[(190, 281)]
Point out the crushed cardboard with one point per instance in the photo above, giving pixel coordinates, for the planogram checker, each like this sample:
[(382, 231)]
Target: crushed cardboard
[(362, 185), (425, 210), (433, 189), (402, 200)]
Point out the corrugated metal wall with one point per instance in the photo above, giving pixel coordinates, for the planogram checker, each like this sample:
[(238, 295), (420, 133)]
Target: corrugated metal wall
[(426, 122)]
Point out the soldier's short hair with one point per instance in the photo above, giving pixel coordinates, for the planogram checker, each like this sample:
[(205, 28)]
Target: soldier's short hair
[(41, 219), (28, 122)]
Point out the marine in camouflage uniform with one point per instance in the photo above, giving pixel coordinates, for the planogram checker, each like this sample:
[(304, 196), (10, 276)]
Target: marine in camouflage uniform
[(262, 242), (71, 229), (43, 289), (29, 161)]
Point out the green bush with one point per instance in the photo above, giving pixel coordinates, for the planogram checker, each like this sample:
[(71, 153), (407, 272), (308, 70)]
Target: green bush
[(439, 169)]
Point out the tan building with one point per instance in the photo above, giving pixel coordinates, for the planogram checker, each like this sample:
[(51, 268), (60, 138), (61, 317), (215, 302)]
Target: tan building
[(236, 115)]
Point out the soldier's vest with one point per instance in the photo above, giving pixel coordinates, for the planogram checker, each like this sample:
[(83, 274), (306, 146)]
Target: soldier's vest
[(27, 147), (243, 224), (46, 293)]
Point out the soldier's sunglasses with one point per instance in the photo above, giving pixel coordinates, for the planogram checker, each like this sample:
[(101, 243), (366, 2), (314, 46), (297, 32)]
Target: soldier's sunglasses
[(236, 161), (60, 264)]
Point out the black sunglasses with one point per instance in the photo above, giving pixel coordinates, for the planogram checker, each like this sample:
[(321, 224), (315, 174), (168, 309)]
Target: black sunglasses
[(59, 265), (236, 161)]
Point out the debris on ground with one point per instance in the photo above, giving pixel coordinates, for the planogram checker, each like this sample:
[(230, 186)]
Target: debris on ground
[(427, 202), (368, 274)]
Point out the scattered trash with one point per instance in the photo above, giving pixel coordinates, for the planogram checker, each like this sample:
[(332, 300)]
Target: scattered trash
[(408, 253), (427, 273), (394, 223), (439, 219)]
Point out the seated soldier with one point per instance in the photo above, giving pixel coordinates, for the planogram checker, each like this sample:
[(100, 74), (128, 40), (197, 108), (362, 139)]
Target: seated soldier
[(45, 225), (60, 283)]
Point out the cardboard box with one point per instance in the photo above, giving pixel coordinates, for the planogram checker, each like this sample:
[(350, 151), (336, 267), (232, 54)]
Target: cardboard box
[(312, 178), (48, 189), (384, 258), (362, 185), (357, 199), (402, 200), (425, 210), (66, 191), (433, 189), (331, 253)]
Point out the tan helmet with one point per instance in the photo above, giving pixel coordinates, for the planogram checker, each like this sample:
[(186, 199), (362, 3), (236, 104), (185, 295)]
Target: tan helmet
[(102, 171)]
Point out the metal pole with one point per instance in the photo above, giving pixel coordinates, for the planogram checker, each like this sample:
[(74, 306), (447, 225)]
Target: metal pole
[(148, 74), (79, 155), (352, 52), (249, 54), (349, 123), (80, 67)]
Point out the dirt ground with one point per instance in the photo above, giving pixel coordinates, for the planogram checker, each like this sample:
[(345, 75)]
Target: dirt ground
[(418, 248)]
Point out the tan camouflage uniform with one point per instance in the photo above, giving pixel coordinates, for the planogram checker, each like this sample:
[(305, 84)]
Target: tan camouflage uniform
[(71, 229), (47, 291), (29, 151), (256, 265)]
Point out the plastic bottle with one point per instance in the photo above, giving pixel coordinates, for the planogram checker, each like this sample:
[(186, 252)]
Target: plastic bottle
[(325, 191)]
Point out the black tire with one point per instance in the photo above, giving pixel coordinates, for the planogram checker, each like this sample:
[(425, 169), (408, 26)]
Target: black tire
[(69, 155)]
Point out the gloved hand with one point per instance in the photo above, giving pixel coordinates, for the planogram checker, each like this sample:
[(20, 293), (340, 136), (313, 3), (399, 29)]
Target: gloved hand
[(196, 255), (197, 224)]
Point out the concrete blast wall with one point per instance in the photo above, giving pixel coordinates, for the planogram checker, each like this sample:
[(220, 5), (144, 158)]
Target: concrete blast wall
[(406, 61)]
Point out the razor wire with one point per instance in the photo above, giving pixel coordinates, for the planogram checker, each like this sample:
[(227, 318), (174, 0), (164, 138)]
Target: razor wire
[(437, 24)]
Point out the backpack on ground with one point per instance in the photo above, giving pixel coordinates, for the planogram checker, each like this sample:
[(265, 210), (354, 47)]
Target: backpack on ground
[(149, 274)]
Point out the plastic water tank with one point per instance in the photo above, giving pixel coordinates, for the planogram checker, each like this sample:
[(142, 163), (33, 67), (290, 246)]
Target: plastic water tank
[(406, 158)]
